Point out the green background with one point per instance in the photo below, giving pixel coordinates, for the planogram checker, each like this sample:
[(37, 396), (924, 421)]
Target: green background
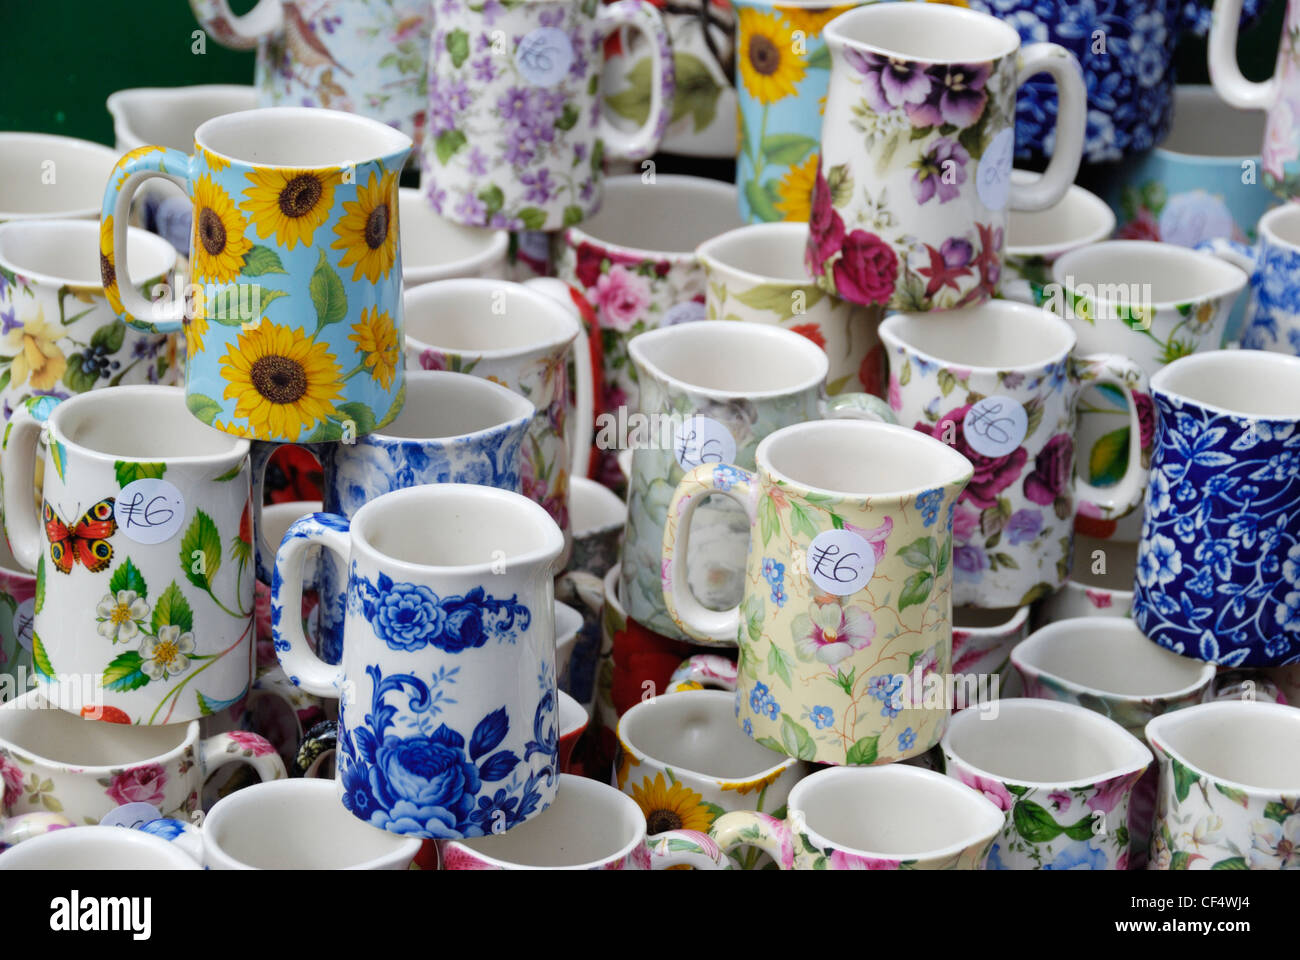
[(62, 58)]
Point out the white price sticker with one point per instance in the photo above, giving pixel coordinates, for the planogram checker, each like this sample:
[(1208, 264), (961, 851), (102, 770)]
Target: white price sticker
[(993, 178), (840, 562), (995, 426), (700, 439), (544, 56), (150, 510)]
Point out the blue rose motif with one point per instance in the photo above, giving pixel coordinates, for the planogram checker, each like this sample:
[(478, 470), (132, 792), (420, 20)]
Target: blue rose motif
[(464, 624), (425, 784), (408, 617), (165, 828)]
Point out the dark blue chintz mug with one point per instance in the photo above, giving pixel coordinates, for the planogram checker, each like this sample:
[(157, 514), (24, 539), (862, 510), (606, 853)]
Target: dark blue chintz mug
[(1218, 572)]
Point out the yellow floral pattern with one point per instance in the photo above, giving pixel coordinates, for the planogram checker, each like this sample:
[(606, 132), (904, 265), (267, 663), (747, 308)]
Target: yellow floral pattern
[(377, 340), (367, 231), (769, 67), (219, 246), (282, 382), (39, 362), (671, 806), (289, 203)]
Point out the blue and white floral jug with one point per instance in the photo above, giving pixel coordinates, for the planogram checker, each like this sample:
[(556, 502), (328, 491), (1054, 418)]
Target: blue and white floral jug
[(448, 718)]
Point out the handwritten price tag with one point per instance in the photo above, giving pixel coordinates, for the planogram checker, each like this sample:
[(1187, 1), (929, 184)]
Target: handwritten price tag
[(544, 56), (24, 617), (993, 178), (700, 440), (995, 426), (840, 562), (130, 815), (150, 510)]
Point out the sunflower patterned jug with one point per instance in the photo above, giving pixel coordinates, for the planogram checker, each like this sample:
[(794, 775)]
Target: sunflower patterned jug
[(293, 315)]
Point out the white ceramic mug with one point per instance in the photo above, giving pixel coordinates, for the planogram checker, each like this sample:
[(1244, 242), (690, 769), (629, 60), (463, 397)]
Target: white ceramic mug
[(590, 826), (756, 273), (1100, 584), (914, 180), (1063, 775), (434, 248), (60, 333), (143, 552), (685, 763), (96, 848), (878, 818), (296, 825), (447, 686), (1229, 779), (43, 176), (54, 761), (1037, 238), (521, 336)]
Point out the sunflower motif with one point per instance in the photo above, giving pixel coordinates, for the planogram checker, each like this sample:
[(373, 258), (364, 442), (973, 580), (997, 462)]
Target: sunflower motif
[(219, 244), (125, 160), (768, 64), (289, 203), (366, 229), (796, 189), (196, 322), (107, 273), (216, 163), (671, 806), (281, 381), (812, 20), (376, 338)]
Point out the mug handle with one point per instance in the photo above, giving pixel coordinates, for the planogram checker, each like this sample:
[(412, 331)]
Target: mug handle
[(318, 745), (578, 433), (1125, 496), (1225, 74), (260, 454), (239, 32), (243, 747), (742, 828), (301, 665), (1242, 255), (695, 619), (674, 848), (18, 479), (644, 140), (131, 171), (1071, 125), (704, 670)]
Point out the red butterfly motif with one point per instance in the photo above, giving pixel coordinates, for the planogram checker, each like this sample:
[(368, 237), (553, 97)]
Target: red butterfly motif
[(86, 543)]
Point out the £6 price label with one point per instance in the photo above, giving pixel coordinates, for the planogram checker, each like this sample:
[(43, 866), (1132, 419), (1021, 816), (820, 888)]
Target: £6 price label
[(995, 426), (700, 439), (150, 510), (840, 562)]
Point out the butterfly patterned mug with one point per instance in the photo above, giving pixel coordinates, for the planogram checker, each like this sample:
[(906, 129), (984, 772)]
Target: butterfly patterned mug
[(143, 554)]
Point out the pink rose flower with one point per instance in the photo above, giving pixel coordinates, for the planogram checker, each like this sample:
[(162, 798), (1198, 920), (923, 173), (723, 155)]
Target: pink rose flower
[(458, 858), (12, 775), (851, 861), (866, 270), (1053, 469), (964, 523), (1280, 139), (255, 744), (1060, 798), (141, 784), (895, 394), (995, 790), (992, 474), (1108, 794), (622, 297)]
